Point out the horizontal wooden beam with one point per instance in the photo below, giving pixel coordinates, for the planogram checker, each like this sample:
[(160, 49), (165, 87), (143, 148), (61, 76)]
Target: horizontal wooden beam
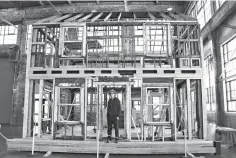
[(36, 13)]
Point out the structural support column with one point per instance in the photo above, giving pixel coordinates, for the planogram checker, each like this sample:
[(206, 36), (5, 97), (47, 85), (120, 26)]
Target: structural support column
[(85, 107)]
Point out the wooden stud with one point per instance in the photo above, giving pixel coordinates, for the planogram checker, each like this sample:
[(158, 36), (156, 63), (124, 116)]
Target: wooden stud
[(41, 83), (128, 111), (27, 89), (85, 107), (189, 109)]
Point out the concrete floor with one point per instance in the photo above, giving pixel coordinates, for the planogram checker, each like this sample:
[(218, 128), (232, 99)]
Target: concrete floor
[(7, 132)]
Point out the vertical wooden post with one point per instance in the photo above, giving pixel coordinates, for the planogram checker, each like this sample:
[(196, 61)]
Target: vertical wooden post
[(128, 111), (41, 83), (30, 107), (82, 107), (85, 107), (99, 103), (27, 93), (189, 110), (53, 107), (173, 110)]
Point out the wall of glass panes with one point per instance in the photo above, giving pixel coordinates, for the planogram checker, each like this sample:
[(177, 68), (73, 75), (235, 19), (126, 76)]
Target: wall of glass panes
[(8, 35), (229, 61)]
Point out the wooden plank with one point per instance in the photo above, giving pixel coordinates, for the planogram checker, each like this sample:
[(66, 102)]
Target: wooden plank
[(119, 16), (60, 18), (41, 83), (96, 17), (85, 106), (27, 90), (128, 111), (85, 17), (69, 1), (74, 17), (189, 109), (108, 16)]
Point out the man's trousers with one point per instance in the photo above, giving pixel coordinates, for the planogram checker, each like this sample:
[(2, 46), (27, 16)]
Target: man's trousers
[(112, 120)]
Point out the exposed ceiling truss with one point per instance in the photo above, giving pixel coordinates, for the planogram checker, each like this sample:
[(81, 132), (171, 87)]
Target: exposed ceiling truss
[(116, 16)]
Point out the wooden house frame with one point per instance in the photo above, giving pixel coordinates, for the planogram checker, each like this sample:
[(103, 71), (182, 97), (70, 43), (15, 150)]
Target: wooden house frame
[(168, 60)]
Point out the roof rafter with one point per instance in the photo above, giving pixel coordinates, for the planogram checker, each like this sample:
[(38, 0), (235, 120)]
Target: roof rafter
[(108, 16), (96, 17), (85, 17), (151, 16), (74, 17)]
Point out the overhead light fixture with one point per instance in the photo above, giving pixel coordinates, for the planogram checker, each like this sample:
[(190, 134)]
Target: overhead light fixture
[(169, 9)]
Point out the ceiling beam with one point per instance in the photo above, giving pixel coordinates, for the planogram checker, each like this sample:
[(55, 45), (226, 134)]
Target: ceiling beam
[(41, 3), (69, 1), (54, 7), (37, 13)]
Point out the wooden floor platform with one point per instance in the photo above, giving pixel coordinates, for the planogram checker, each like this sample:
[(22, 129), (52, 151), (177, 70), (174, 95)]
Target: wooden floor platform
[(177, 147)]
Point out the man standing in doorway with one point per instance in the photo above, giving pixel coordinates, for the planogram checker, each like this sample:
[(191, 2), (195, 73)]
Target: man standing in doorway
[(113, 114)]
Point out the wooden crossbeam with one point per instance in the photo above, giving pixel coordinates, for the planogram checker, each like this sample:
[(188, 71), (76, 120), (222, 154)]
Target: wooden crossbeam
[(85, 17), (151, 16), (108, 16), (47, 19), (74, 17), (61, 18), (96, 17), (165, 16), (119, 16)]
